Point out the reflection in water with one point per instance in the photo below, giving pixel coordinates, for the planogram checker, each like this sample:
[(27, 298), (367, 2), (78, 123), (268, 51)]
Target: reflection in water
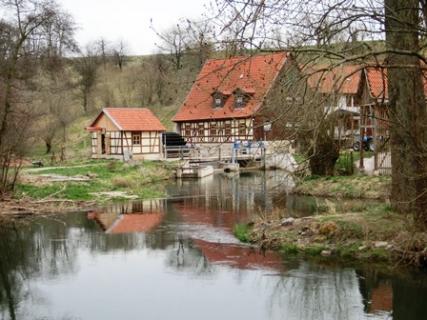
[(177, 258)]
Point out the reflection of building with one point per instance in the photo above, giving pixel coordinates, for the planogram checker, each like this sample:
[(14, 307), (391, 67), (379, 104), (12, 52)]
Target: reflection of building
[(130, 217), (238, 256), (381, 298)]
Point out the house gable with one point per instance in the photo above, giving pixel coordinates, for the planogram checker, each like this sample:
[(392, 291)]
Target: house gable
[(252, 75), (104, 122)]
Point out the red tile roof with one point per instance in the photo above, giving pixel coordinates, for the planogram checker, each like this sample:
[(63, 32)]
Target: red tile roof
[(131, 223), (126, 223), (344, 79), (132, 119), (253, 75), (377, 81), (376, 78)]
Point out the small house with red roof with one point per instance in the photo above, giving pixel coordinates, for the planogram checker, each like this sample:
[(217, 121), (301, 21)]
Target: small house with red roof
[(119, 133), (226, 100)]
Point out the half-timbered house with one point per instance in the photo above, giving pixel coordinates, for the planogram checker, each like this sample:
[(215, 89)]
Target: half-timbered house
[(374, 109), (341, 89), (119, 133), (224, 103)]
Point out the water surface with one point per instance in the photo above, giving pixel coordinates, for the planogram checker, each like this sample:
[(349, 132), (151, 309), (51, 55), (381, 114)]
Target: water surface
[(178, 259)]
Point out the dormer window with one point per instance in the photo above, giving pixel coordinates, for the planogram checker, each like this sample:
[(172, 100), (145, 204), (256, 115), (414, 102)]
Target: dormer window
[(218, 99), (239, 101), (240, 98)]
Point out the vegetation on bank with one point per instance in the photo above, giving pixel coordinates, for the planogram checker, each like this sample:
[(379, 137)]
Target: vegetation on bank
[(355, 186), (370, 231), (95, 180)]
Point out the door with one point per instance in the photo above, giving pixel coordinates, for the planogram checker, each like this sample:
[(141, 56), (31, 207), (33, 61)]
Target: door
[(103, 145)]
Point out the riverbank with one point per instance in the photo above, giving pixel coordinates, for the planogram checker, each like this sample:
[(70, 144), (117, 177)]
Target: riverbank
[(367, 232), (85, 185), (352, 187)]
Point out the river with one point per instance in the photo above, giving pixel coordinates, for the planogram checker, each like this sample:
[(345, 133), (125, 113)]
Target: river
[(176, 258)]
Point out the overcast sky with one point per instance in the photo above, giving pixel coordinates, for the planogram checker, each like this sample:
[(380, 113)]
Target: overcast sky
[(129, 19)]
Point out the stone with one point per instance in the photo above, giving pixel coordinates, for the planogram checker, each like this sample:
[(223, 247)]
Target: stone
[(326, 253), (288, 221), (380, 244), (362, 248), (328, 228)]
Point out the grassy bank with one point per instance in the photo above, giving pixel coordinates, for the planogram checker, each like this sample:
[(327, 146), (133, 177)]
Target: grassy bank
[(356, 186), (374, 233), (95, 180)]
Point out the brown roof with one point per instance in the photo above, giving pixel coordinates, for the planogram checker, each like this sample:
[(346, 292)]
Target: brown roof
[(254, 75), (132, 119), (344, 79)]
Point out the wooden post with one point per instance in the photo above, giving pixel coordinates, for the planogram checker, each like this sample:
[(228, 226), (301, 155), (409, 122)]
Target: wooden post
[(362, 133), (375, 124)]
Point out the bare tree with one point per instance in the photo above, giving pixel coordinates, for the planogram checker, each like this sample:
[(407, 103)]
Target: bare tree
[(174, 43), (316, 31), (104, 51), (86, 66), (24, 39), (119, 54), (200, 41)]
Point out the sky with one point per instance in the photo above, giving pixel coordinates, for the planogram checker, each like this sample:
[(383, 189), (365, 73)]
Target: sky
[(129, 20)]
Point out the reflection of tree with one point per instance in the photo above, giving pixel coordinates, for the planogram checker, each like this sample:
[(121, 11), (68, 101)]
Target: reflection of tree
[(183, 256), (315, 293), (10, 269), (27, 251)]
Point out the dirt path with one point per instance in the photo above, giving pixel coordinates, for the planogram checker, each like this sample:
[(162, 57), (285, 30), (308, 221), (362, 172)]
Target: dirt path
[(33, 170)]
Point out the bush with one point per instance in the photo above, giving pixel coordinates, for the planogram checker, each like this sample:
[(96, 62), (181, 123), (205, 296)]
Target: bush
[(241, 231), (122, 182), (345, 164)]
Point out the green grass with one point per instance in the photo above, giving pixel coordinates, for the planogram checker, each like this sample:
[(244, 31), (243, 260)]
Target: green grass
[(356, 186), (141, 180), (289, 248), (241, 232)]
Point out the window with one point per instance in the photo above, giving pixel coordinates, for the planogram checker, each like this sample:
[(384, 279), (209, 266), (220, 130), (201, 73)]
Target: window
[(187, 130), (242, 129), (136, 138), (213, 129), (201, 130), (240, 101), (218, 100), (228, 129)]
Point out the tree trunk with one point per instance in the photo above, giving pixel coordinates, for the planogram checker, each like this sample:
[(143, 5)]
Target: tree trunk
[(407, 109), (48, 147)]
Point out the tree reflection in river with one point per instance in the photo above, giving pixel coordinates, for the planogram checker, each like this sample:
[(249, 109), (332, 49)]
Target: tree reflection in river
[(82, 266)]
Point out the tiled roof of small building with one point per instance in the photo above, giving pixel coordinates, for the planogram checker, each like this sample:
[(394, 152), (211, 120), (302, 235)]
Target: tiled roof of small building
[(133, 223), (376, 78), (253, 75), (343, 79), (132, 119)]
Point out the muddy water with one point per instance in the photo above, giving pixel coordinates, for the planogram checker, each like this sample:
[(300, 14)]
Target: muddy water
[(178, 259)]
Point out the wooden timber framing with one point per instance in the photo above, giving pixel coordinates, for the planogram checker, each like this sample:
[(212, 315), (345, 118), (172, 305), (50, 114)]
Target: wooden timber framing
[(121, 136), (118, 142), (217, 131)]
